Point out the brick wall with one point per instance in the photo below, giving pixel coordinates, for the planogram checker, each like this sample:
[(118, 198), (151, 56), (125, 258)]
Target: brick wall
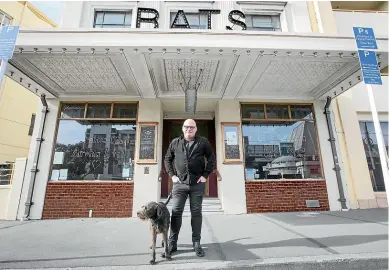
[(74, 199), (285, 196)]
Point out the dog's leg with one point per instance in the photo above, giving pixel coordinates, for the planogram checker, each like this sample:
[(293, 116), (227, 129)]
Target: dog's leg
[(154, 240), (167, 254)]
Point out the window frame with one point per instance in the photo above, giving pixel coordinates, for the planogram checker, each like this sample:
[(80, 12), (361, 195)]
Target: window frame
[(290, 119), (186, 14), (188, 7), (5, 15), (133, 121), (104, 11), (363, 133), (88, 16), (264, 14)]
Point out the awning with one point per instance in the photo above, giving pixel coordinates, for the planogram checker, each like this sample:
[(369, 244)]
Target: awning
[(154, 63)]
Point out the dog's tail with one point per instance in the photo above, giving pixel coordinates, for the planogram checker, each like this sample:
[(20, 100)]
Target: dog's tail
[(168, 199)]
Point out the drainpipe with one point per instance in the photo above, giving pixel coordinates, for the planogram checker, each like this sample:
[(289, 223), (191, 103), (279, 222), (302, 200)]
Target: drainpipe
[(336, 168), (34, 169)]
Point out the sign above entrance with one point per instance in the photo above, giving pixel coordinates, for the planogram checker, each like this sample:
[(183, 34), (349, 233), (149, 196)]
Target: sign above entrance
[(180, 16)]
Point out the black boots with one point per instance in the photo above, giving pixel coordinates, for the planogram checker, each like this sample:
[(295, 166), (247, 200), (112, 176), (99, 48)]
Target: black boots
[(198, 249), (172, 247)]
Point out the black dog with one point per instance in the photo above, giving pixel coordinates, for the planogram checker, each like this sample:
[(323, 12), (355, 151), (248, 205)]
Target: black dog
[(159, 217)]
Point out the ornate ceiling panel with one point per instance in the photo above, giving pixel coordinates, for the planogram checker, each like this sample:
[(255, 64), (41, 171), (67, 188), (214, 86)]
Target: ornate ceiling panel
[(294, 76), (291, 77), (80, 74), (201, 71)]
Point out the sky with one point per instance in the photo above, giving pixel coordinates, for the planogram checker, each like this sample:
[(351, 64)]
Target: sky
[(51, 9)]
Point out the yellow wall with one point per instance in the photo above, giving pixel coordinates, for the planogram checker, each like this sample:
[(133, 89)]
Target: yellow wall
[(17, 104), (355, 171)]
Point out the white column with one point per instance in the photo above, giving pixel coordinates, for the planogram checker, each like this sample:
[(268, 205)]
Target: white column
[(146, 186), (327, 157), (71, 14), (219, 22), (44, 163), (297, 17), (353, 150), (232, 186)]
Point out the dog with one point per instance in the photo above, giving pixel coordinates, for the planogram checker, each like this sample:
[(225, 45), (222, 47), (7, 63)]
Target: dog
[(159, 217)]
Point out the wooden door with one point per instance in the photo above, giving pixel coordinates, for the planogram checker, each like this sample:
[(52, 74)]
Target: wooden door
[(173, 129)]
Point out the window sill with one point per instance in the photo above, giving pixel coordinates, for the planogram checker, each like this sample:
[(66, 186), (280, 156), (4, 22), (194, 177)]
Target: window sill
[(285, 180), (90, 181)]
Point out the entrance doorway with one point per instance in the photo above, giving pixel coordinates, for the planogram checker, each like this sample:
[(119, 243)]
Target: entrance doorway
[(173, 129)]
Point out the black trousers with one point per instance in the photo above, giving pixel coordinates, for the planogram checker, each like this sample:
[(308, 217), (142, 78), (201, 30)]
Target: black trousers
[(180, 193)]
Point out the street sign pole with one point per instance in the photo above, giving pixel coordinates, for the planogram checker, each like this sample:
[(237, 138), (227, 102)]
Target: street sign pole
[(366, 41), (3, 68)]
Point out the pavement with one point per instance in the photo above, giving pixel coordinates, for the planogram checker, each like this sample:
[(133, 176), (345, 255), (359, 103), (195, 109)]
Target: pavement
[(355, 239)]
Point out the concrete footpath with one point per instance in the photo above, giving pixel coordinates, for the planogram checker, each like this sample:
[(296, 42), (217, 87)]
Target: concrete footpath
[(357, 239)]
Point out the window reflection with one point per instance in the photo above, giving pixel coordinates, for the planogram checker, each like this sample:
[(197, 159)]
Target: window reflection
[(370, 144), (281, 150), (98, 150)]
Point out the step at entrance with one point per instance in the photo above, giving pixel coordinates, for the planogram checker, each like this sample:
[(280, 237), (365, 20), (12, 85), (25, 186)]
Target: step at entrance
[(211, 206)]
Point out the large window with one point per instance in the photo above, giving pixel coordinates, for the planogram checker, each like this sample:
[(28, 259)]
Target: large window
[(195, 20), (280, 142), (95, 142), (369, 139), (4, 19), (112, 19), (263, 23)]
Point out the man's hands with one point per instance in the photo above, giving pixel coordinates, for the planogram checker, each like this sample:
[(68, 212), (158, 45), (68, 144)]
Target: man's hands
[(175, 179), (202, 179)]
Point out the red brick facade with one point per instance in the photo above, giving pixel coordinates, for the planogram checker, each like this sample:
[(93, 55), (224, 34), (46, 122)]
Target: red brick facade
[(74, 199), (285, 196)]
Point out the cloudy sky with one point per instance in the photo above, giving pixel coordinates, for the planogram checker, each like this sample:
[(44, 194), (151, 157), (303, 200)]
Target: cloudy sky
[(51, 9)]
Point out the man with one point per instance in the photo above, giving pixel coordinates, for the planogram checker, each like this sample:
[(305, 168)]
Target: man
[(185, 163)]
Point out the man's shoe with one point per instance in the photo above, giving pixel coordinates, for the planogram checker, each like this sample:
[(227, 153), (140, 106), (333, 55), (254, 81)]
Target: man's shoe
[(172, 247), (198, 249)]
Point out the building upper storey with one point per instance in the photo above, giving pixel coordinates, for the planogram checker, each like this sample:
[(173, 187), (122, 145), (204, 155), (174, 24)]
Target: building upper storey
[(361, 13), (276, 16)]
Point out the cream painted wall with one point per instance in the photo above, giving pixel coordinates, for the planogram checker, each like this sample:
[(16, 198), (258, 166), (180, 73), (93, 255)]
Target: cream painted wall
[(232, 192), (354, 168), (5, 191), (381, 97), (25, 15), (358, 177), (146, 186), (16, 103)]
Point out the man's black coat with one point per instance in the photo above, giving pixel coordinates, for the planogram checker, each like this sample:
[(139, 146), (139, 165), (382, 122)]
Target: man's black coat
[(189, 164)]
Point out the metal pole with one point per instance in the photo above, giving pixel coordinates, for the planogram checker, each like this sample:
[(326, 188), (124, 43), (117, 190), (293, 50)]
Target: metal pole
[(380, 139), (3, 68)]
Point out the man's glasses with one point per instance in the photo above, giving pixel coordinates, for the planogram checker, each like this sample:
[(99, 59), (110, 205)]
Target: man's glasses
[(189, 127)]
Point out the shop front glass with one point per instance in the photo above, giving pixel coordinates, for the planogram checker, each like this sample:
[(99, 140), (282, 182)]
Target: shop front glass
[(280, 142), (95, 142)]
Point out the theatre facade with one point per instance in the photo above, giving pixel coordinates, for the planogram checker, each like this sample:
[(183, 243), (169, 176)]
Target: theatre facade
[(119, 78)]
